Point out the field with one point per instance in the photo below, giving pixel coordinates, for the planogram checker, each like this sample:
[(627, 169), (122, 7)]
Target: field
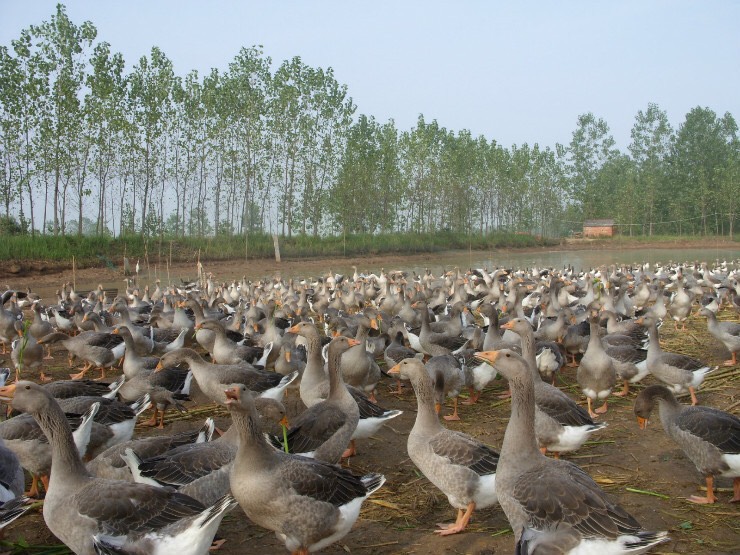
[(646, 472)]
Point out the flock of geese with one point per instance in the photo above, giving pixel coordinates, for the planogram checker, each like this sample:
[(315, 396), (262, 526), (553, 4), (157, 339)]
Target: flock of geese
[(331, 340)]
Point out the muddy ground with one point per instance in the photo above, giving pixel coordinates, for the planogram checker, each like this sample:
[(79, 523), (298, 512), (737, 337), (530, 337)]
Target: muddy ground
[(401, 517)]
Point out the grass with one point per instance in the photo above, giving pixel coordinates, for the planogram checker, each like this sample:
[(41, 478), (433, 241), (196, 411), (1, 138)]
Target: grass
[(92, 251)]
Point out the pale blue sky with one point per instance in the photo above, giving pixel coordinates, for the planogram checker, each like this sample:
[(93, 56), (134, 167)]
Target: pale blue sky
[(515, 72)]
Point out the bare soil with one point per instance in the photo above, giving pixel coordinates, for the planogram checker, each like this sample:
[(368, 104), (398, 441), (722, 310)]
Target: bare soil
[(401, 517)]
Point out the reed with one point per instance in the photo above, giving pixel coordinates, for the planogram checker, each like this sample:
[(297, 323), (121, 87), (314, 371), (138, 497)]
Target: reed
[(94, 250)]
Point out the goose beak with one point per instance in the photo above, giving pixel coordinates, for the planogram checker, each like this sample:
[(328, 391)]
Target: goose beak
[(374, 324), (507, 326), (158, 367), (232, 395), (115, 330), (642, 422), (7, 392), (487, 356), (396, 370), (284, 421), (437, 408), (293, 329), (287, 356), (353, 342)]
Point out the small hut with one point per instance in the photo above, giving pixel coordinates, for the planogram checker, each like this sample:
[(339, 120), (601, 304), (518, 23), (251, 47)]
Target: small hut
[(598, 228)]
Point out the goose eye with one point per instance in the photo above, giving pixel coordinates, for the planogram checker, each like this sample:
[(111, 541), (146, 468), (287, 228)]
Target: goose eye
[(507, 355), (28, 387)]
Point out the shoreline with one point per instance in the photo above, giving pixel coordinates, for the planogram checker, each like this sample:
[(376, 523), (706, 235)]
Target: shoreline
[(48, 275)]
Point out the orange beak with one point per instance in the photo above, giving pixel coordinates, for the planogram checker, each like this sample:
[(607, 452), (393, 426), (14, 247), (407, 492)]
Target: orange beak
[(489, 356), (158, 367), (437, 408), (353, 342), (374, 324), (642, 422), (198, 326), (396, 369), (232, 395), (507, 326), (284, 421), (293, 329), (115, 330), (7, 392), (287, 356)]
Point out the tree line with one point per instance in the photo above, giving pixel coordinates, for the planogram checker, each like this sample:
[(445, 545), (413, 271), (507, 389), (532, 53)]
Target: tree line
[(89, 147)]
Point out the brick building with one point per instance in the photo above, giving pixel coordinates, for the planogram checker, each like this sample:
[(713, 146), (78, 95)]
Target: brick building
[(598, 228)]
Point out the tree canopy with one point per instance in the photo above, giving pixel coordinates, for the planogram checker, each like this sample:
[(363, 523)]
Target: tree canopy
[(92, 148)]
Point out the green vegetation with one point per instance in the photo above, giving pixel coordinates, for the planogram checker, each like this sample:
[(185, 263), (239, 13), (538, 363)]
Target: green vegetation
[(96, 250), (91, 147)]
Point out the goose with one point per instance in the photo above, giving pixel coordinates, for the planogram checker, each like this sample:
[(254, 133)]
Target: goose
[(24, 437), (226, 351), (679, 372), (200, 470), (680, 304), (40, 327), (460, 466), (212, 378), (727, 332), (324, 430), (359, 369), (126, 516), (111, 464), (63, 389), (630, 364), (11, 474), (435, 343), (560, 424), (309, 504), (26, 353), (544, 498), (449, 378), (11, 510), (168, 387), (596, 374), (119, 417), (709, 437), (95, 348)]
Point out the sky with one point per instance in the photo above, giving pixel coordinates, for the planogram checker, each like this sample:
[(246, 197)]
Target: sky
[(512, 71)]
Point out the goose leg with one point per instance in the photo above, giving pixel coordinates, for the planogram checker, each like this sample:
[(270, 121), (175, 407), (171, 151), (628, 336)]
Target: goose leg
[(735, 491), (460, 524), (710, 498), (161, 420), (82, 373), (34, 491), (625, 389), (694, 400), (48, 353), (398, 390), (473, 398), (591, 413), (301, 551), (153, 420), (350, 451), (216, 544), (45, 481), (731, 362), (454, 415), (602, 409)]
